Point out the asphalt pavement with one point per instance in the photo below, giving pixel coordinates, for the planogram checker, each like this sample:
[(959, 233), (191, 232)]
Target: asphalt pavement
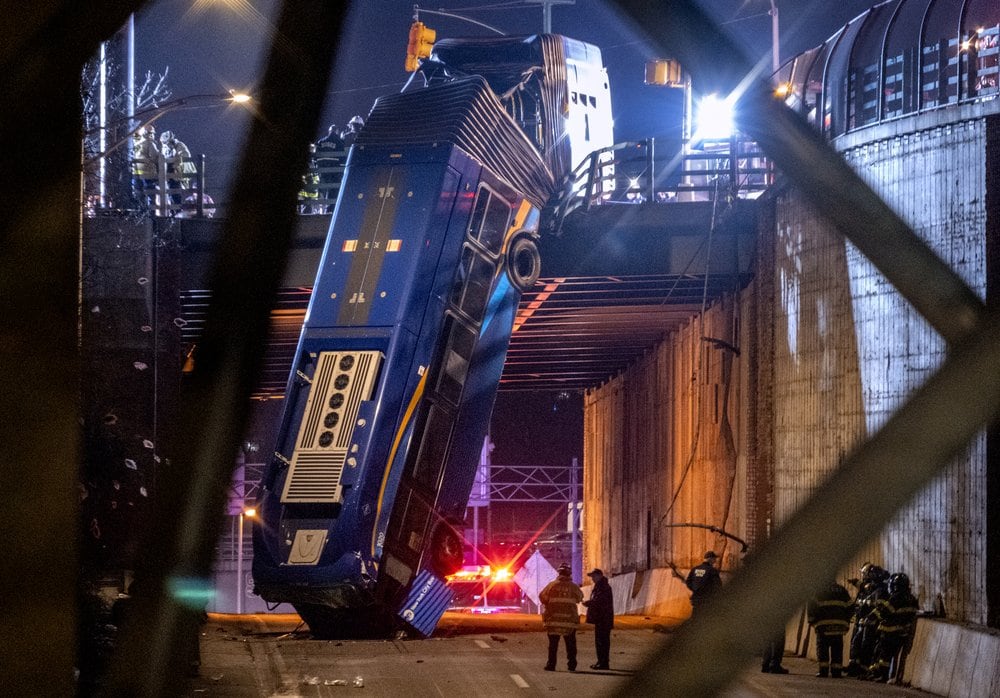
[(469, 655)]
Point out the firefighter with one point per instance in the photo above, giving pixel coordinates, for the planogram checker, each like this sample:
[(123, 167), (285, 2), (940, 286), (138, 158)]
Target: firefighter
[(353, 126), (561, 617), (177, 158), (145, 158), (871, 589), (829, 613), (897, 621)]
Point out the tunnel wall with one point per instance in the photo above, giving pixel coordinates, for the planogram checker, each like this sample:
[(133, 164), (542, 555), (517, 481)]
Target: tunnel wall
[(935, 178), (831, 351), (663, 448)]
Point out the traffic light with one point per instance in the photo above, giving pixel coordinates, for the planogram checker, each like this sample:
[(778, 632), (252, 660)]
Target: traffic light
[(420, 45), (666, 72)]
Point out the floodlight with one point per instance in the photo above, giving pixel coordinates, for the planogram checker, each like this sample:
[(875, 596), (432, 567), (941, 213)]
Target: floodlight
[(714, 119)]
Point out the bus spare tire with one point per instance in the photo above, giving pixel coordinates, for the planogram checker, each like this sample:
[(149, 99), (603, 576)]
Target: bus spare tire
[(447, 553), (524, 264)]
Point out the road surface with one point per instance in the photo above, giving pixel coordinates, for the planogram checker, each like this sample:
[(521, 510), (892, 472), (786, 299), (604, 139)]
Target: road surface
[(274, 655)]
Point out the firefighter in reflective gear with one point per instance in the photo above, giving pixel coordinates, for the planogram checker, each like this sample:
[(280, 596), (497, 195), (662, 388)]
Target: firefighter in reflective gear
[(871, 590), (561, 616), (897, 621), (145, 160), (829, 613)]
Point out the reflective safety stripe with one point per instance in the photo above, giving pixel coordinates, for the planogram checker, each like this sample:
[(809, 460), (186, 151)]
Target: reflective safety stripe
[(562, 599), (834, 602), (560, 624)]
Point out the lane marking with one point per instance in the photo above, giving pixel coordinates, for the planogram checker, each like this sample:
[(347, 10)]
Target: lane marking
[(521, 683), (483, 643)]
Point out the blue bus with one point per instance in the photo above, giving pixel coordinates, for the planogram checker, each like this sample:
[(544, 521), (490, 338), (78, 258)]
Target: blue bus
[(389, 398)]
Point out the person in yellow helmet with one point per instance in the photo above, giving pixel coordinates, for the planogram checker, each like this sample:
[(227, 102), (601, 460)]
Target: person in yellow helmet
[(145, 159)]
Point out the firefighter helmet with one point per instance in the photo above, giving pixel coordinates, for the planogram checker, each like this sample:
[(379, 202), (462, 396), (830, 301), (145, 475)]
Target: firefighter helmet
[(899, 582)]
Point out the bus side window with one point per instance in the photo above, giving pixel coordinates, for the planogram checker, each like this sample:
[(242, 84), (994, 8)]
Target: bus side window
[(472, 296), (479, 212), (433, 447), (457, 355), (495, 225)]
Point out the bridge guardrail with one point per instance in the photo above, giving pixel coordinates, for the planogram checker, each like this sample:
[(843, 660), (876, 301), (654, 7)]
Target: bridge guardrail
[(633, 172)]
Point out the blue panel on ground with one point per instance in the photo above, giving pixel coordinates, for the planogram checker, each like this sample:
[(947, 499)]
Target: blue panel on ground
[(429, 598)]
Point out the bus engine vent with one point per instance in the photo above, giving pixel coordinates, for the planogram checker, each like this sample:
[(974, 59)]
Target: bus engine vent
[(341, 382)]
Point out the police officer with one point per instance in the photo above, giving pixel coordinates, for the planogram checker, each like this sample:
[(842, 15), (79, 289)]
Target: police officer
[(601, 612), (331, 157), (896, 617), (703, 580), (829, 613), (561, 617)]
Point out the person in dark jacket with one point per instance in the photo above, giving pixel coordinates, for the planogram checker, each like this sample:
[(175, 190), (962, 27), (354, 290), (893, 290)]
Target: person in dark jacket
[(829, 613), (601, 613), (703, 581), (774, 652), (331, 156), (560, 617)]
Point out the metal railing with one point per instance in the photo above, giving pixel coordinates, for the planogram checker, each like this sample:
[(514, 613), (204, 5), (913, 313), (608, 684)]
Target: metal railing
[(634, 172), (181, 189)]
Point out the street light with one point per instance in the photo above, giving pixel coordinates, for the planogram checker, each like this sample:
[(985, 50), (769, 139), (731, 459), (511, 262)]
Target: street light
[(248, 512)]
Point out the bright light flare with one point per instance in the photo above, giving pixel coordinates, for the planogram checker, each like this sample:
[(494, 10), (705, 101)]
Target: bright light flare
[(501, 575), (239, 97), (250, 512), (714, 119)]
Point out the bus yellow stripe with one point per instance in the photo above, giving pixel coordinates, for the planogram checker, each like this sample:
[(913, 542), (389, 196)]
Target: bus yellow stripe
[(417, 394)]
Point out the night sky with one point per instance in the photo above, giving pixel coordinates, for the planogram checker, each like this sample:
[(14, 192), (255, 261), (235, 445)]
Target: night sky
[(212, 46)]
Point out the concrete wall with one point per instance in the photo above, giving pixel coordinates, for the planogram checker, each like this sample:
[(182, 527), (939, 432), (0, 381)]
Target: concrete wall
[(662, 447), (936, 180), (952, 659)]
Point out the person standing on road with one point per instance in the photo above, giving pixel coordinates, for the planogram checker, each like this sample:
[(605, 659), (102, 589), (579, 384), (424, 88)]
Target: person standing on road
[(871, 590), (829, 613), (703, 581), (561, 617), (774, 652), (601, 613), (897, 623)]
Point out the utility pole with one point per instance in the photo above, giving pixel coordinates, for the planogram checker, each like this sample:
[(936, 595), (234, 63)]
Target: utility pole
[(547, 11), (774, 37)]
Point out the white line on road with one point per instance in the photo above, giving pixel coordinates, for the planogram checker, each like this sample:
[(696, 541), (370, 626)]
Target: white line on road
[(521, 683), (483, 643)]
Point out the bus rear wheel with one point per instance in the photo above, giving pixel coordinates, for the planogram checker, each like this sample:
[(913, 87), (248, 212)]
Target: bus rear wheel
[(524, 264), (447, 551)]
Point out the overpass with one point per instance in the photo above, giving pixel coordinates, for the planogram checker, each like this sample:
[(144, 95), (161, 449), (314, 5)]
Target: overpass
[(634, 247)]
